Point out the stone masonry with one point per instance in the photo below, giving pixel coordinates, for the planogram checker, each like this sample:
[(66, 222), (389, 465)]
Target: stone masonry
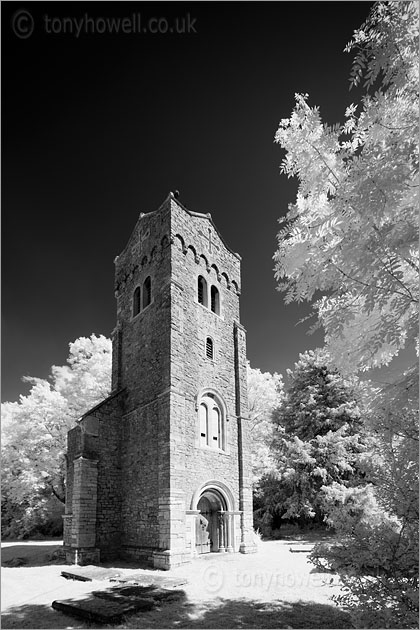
[(173, 435)]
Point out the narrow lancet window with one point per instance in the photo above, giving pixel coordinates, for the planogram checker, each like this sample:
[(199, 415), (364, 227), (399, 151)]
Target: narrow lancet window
[(147, 292), (215, 300), (203, 424), (136, 302), (202, 291)]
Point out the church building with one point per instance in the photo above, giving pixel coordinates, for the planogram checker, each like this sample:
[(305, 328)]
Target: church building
[(160, 471)]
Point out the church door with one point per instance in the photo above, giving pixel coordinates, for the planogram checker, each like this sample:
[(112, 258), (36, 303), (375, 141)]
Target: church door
[(202, 529)]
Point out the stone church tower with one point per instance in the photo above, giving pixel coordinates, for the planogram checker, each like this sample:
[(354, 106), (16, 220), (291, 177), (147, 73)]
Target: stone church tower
[(160, 470)]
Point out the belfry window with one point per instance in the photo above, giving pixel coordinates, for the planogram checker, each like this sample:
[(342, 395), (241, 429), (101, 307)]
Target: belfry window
[(136, 302), (147, 292), (215, 300), (211, 419), (202, 291), (209, 348)]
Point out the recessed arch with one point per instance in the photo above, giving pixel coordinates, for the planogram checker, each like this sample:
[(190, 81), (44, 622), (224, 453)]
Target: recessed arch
[(235, 286), (144, 261), (218, 487), (181, 240), (215, 394), (226, 277), (215, 267), (206, 262), (192, 248)]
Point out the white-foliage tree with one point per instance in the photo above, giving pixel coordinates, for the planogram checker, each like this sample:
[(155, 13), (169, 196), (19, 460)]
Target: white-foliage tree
[(350, 242), (377, 553), (353, 232), (265, 393), (34, 430)]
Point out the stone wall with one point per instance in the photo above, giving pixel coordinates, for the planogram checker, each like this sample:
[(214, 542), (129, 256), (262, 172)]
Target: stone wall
[(142, 342), (93, 493), (143, 369), (191, 370), (145, 466)]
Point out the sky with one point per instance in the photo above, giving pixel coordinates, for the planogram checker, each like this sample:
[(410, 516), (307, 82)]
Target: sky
[(99, 126)]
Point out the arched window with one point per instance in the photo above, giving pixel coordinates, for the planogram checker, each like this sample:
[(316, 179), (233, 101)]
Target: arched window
[(136, 302), (202, 291), (215, 300), (147, 292), (211, 418), (204, 424), (209, 348), (215, 427)]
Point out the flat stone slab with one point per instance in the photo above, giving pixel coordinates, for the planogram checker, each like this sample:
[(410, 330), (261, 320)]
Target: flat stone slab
[(125, 593), (103, 610), (87, 574), (74, 576), (139, 592), (142, 579)]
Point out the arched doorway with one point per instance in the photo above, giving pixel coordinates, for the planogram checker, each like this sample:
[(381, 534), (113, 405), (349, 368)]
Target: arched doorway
[(208, 536), (214, 520)]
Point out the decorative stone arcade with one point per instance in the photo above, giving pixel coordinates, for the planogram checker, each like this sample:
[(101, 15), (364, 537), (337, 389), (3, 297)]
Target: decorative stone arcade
[(160, 471)]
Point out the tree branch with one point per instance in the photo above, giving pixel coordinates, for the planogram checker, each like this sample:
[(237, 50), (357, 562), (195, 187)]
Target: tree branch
[(55, 493), (322, 158), (369, 286)]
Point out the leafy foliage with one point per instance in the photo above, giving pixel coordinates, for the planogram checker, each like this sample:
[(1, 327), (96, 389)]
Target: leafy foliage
[(377, 550), (265, 393), (318, 442), (35, 429), (353, 236), (352, 233)]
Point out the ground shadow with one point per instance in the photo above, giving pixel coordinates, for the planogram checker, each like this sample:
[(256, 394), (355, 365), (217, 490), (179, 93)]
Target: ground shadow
[(218, 613), (31, 555), (41, 616), (45, 616), (37, 554), (241, 613)]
